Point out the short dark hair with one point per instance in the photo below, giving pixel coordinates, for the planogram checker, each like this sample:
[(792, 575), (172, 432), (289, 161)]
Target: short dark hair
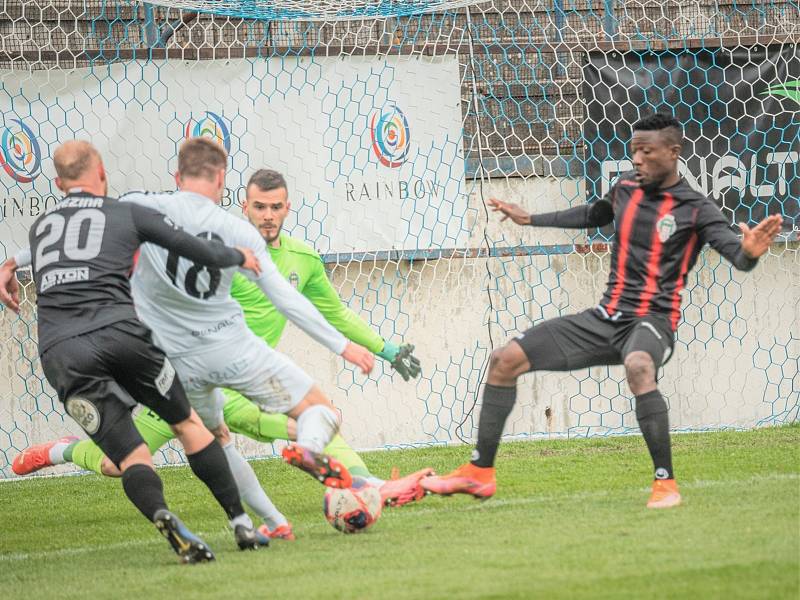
[(201, 157), (663, 122), (267, 180)]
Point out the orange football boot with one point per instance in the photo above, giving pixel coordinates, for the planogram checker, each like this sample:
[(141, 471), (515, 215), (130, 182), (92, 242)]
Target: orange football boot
[(37, 457), (398, 491), (325, 469), (665, 494), (467, 479), (281, 532)]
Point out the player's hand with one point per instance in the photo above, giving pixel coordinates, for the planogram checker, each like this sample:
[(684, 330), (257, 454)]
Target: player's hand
[(9, 286), (756, 241), (359, 356), (251, 263), (510, 211), (402, 359)]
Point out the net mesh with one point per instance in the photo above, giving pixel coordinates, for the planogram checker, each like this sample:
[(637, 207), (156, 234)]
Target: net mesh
[(316, 11), (393, 132)]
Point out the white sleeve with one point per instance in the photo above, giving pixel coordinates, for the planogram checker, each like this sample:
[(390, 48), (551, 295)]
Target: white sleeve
[(23, 257), (289, 301), (142, 198)]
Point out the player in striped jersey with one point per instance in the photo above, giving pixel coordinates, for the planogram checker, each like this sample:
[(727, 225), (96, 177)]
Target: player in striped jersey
[(661, 225)]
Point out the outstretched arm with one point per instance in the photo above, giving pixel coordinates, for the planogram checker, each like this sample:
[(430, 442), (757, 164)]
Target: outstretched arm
[(327, 301), (302, 313), (325, 298), (596, 214), (742, 253)]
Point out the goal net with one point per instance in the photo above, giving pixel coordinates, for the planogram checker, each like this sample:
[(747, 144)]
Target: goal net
[(394, 122)]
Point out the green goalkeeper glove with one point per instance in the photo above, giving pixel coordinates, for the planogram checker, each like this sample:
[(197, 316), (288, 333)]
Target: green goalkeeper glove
[(402, 359)]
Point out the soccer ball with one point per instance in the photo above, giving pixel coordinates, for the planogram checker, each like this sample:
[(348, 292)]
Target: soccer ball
[(354, 509)]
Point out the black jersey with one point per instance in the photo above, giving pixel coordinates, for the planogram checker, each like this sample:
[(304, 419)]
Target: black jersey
[(658, 236), (82, 252)]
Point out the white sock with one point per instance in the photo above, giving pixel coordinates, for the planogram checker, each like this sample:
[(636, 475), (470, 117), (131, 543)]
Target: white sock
[(57, 453), (375, 481), (316, 427), (250, 490), (242, 519)]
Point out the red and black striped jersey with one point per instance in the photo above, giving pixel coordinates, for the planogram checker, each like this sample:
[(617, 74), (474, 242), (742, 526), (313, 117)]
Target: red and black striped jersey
[(658, 236)]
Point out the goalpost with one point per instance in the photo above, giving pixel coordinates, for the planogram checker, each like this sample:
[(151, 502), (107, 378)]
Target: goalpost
[(394, 121)]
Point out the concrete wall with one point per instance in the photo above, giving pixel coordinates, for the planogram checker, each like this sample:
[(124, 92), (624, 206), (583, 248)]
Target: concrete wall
[(736, 360)]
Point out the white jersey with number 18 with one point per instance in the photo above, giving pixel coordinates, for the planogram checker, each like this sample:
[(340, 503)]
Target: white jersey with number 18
[(188, 306)]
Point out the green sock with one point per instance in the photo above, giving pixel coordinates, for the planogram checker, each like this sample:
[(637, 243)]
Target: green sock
[(272, 427), (342, 451), (242, 416), (68, 451), (86, 454)]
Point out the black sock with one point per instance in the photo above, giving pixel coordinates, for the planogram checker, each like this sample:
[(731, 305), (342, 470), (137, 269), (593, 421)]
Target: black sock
[(211, 467), (143, 487), (651, 412), (497, 404)]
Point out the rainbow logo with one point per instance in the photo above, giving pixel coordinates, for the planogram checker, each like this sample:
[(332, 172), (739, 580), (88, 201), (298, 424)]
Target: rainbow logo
[(391, 136), (211, 126), (20, 155)]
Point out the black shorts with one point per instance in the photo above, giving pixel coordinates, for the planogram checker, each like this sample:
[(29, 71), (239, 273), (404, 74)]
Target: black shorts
[(101, 375), (588, 339)]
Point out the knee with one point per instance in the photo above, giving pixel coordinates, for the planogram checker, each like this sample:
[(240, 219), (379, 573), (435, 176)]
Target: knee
[(640, 372), (222, 434), (193, 420), (109, 469), (314, 397), (139, 456), (507, 363)]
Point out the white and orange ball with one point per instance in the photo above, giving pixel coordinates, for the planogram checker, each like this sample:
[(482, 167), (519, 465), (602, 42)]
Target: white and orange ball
[(354, 509)]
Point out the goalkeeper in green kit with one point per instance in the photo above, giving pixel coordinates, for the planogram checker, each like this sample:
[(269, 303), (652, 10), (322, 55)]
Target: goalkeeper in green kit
[(267, 206)]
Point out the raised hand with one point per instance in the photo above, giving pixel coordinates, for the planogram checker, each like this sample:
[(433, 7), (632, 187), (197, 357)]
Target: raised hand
[(9, 286), (402, 359), (251, 263), (756, 241), (510, 211), (359, 356)]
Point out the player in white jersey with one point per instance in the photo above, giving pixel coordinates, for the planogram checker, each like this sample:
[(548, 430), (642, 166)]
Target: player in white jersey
[(202, 329)]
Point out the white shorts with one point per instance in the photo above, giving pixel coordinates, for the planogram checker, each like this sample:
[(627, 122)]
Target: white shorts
[(250, 367)]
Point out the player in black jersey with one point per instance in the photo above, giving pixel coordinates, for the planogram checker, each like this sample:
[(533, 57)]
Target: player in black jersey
[(661, 224), (98, 356)]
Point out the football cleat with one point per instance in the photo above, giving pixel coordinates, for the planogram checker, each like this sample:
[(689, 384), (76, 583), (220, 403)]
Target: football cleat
[(187, 545), (466, 479), (281, 532), (665, 494), (37, 457), (325, 469), (248, 538), (398, 491)]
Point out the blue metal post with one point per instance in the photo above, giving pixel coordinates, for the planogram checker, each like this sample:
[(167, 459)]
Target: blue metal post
[(150, 29), (560, 22), (609, 19)]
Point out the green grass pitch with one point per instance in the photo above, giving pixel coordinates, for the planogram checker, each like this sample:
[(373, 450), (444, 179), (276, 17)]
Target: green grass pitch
[(568, 522)]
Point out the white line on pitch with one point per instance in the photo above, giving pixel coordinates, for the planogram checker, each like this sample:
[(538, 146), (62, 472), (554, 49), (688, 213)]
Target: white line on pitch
[(498, 503)]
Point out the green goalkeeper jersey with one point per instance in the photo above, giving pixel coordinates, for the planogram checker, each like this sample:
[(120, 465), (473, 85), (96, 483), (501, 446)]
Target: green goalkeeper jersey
[(303, 267)]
